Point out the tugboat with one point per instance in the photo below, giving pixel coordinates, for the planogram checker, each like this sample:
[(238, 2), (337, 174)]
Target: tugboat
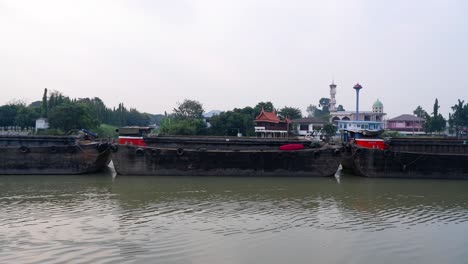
[(139, 154), (437, 158), (79, 154), (354, 139)]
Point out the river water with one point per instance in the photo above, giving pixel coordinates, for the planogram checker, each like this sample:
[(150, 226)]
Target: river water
[(106, 219)]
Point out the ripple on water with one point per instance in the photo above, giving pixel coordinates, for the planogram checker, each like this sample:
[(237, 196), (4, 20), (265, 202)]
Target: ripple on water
[(173, 223)]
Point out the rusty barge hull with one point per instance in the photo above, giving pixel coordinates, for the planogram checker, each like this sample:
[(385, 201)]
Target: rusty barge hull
[(131, 160), (209, 156), (51, 155), (410, 158), (218, 142)]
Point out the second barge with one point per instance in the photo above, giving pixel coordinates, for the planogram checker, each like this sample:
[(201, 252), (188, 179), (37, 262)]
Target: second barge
[(435, 158), (138, 154)]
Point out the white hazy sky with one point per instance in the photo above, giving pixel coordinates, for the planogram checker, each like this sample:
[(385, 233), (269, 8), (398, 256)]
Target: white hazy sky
[(152, 54)]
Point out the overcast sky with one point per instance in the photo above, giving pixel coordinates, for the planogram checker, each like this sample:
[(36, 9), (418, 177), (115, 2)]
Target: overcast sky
[(152, 54)]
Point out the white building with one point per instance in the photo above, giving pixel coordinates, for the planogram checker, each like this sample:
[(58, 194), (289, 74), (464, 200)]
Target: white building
[(207, 116), (42, 123), (376, 115), (308, 126)]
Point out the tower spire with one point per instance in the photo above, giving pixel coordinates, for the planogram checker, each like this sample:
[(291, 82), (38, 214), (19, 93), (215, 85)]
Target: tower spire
[(332, 107), (357, 87)]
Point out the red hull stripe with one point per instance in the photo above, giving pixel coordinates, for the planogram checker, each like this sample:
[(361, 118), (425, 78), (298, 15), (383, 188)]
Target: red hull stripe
[(137, 141)]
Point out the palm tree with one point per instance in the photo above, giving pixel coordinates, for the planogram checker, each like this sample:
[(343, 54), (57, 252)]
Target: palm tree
[(458, 118)]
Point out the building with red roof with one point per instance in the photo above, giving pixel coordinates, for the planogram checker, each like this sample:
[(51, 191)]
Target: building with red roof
[(268, 124)]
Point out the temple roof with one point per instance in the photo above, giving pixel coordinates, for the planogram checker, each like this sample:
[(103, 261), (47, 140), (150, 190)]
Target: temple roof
[(270, 117)]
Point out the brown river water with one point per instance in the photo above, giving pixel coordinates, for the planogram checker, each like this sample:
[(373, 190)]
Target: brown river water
[(103, 218)]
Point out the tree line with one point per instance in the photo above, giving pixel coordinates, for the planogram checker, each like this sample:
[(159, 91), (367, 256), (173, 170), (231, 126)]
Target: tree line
[(240, 120), (187, 119), (436, 123), (65, 114)]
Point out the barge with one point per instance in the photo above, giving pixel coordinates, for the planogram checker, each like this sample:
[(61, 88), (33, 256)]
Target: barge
[(139, 154), (52, 155), (436, 158)]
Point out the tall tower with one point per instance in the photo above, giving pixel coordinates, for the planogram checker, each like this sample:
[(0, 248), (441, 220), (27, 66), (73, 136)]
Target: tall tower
[(357, 87), (332, 97)]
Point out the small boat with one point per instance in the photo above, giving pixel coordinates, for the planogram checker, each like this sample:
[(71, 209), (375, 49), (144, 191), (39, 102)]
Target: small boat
[(80, 154), (139, 154), (358, 138), (437, 158)]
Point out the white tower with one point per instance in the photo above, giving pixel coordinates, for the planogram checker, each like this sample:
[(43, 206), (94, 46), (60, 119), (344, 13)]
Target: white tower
[(332, 107)]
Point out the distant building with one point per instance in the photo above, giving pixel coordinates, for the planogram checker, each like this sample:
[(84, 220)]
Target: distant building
[(207, 116), (376, 115), (357, 125), (42, 123), (358, 120), (407, 124), (268, 124), (308, 126)]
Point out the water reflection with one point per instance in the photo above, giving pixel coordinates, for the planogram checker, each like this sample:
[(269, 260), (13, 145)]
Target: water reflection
[(100, 218), (355, 203)]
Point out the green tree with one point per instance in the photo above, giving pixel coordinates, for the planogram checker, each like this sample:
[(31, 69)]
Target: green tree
[(106, 131), (17, 114), (314, 111), (189, 109), (44, 104), (436, 122), (325, 104), (419, 112), (247, 111), (329, 130), (177, 126), (321, 111), (8, 115), (290, 112), (71, 116), (187, 119), (135, 118), (37, 104), (155, 119), (229, 123), (26, 116), (55, 99), (267, 107), (458, 120)]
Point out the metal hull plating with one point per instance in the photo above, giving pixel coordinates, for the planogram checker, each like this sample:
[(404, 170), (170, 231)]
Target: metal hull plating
[(51, 155), (134, 160), (436, 159)]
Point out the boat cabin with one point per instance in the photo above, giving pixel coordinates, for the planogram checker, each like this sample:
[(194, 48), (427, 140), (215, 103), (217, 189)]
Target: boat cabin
[(133, 135), (365, 138)]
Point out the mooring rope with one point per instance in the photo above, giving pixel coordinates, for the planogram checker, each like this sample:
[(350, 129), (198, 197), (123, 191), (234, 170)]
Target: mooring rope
[(91, 154), (405, 166)]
